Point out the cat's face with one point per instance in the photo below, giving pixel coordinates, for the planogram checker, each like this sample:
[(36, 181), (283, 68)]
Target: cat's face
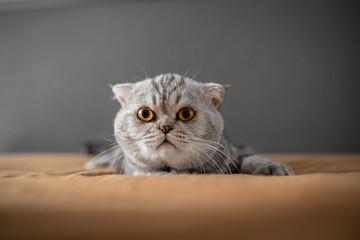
[(166, 121)]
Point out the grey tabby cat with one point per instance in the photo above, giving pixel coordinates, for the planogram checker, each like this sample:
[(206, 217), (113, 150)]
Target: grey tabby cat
[(171, 125)]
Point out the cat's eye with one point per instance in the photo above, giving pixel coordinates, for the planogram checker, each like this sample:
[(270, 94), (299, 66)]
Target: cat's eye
[(145, 114), (186, 114)]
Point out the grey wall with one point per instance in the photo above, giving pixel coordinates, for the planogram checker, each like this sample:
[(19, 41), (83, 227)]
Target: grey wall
[(293, 67)]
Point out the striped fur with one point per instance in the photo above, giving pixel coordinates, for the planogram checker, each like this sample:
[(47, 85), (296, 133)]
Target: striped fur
[(197, 145)]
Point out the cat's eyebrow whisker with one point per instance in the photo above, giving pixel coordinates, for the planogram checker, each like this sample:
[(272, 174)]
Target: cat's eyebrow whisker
[(186, 73), (195, 75), (141, 68)]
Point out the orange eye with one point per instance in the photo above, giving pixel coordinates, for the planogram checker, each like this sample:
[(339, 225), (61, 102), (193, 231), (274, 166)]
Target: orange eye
[(186, 114), (145, 114)]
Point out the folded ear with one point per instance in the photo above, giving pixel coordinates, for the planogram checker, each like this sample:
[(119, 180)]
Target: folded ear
[(122, 92), (214, 93)]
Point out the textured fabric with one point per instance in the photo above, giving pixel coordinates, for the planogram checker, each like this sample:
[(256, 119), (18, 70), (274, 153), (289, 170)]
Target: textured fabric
[(50, 196)]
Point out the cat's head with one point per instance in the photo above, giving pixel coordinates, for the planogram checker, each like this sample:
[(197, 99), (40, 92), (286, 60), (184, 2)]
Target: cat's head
[(168, 120)]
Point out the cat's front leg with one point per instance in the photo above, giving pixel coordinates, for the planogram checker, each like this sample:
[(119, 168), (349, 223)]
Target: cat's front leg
[(258, 165)]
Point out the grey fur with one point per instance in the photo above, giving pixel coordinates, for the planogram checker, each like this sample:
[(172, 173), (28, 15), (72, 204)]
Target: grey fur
[(197, 146)]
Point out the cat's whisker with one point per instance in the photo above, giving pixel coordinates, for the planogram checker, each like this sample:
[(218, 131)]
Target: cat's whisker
[(106, 151), (202, 164), (195, 75), (194, 153), (102, 158), (186, 73), (220, 162), (223, 162), (228, 156), (139, 139), (210, 142), (105, 159), (139, 136), (210, 160), (115, 163), (220, 155), (110, 140), (122, 169), (141, 68)]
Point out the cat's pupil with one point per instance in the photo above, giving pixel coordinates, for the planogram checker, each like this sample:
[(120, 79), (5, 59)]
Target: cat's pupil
[(185, 113), (145, 113)]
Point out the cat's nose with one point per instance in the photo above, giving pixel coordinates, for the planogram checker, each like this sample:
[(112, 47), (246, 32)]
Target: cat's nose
[(165, 128)]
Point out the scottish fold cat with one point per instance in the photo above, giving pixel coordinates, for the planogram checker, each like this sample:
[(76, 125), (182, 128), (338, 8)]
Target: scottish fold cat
[(169, 125)]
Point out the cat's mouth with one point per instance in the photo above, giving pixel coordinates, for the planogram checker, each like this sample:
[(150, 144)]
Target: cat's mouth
[(165, 143)]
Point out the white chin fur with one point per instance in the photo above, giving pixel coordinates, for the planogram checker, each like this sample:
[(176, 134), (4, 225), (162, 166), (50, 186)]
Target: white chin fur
[(167, 154)]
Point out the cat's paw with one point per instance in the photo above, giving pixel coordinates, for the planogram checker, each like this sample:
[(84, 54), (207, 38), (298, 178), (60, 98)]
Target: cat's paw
[(258, 165), (274, 169)]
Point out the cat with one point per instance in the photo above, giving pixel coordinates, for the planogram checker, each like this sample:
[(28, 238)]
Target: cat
[(170, 125)]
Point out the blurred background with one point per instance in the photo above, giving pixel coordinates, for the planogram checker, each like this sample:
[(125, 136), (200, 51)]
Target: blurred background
[(294, 67)]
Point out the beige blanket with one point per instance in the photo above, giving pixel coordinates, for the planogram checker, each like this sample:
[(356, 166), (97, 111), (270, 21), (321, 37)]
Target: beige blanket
[(50, 196)]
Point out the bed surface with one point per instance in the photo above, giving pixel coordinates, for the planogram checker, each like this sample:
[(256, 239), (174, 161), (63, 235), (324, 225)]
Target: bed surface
[(50, 196)]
